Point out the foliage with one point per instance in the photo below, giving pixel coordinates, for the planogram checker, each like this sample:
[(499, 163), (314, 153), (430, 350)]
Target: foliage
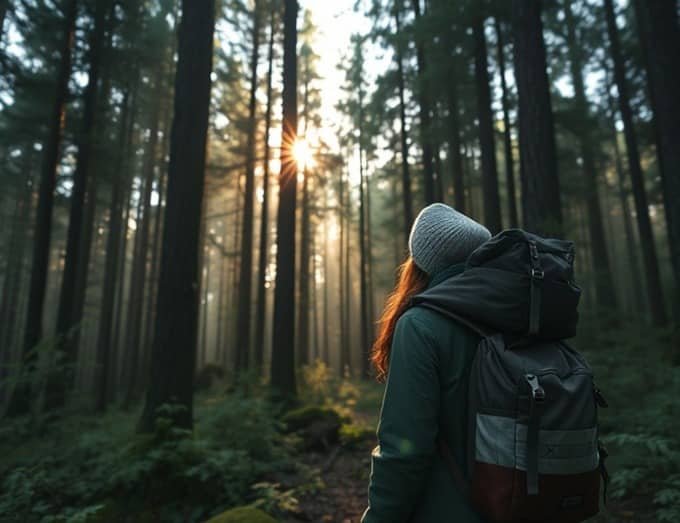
[(243, 515), (93, 467), (641, 425)]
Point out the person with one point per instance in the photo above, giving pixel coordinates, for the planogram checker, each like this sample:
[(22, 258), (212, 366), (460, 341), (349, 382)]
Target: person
[(425, 359)]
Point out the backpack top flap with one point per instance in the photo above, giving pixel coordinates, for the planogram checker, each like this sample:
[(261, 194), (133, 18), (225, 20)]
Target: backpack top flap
[(515, 283)]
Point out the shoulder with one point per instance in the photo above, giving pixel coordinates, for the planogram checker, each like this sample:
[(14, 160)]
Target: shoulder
[(432, 323)]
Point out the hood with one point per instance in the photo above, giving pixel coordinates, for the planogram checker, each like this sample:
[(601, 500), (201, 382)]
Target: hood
[(493, 290)]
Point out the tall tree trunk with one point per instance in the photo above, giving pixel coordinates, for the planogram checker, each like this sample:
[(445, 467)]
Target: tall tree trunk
[(455, 147), (631, 247), (507, 134), (659, 24), (303, 282), (61, 381), (111, 268), (425, 117), (326, 284), (23, 393), (261, 313), (363, 259), (343, 361), (11, 288), (244, 310), (174, 348), (604, 283), (283, 351), (657, 306), (305, 235), (538, 155), (407, 197), (487, 142), (132, 358)]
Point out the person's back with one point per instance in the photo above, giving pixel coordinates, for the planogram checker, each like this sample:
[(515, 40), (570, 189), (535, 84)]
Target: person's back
[(429, 358)]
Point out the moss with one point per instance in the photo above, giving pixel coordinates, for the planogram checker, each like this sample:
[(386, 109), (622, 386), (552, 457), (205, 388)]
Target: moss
[(305, 416), (353, 435), (242, 515)]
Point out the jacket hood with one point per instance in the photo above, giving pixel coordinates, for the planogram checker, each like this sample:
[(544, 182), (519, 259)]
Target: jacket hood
[(494, 289)]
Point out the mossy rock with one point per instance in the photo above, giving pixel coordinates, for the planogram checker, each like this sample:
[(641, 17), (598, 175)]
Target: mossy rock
[(242, 515), (305, 416), (353, 435), (319, 427)]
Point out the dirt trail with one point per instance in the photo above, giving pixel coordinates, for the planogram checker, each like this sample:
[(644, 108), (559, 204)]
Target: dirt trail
[(345, 476)]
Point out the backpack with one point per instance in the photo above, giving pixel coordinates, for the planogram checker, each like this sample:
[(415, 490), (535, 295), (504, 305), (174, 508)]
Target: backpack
[(532, 446)]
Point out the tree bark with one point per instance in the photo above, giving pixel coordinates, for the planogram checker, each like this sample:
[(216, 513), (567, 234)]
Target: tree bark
[(174, 348), (657, 306), (22, 396), (538, 155), (604, 283), (487, 142), (283, 351)]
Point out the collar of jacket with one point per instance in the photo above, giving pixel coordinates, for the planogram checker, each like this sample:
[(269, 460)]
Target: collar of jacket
[(445, 274)]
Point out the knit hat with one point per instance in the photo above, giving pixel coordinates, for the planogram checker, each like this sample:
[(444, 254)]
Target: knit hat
[(441, 236)]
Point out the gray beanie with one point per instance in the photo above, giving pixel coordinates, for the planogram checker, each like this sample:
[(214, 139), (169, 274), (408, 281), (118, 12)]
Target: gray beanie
[(441, 236)]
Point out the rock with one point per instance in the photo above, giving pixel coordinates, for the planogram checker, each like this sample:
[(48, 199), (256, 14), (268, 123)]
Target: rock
[(242, 515), (354, 436), (318, 427)]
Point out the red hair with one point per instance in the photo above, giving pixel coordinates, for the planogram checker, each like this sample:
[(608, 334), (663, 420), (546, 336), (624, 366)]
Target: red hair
[(411, 281)]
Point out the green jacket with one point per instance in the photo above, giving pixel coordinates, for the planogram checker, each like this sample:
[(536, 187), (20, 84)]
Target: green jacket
[(425, 395)]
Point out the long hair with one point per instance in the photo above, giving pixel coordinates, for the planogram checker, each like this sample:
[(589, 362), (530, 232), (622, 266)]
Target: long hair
[(411, 281)]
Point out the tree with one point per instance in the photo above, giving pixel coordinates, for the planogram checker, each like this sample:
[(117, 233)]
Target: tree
[(174, 346), (492, 203), (659, 24), (283, 351), (23, 393), (260, 314), (507, 137), (246, 278), (407, 198), (424, 109), (606, 298), (655, 294), (538, 156)]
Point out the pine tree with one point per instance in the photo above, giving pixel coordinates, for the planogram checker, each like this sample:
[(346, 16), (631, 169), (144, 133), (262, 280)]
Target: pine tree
[(174, 348), (540, 183), (283, 350), (647, 242)]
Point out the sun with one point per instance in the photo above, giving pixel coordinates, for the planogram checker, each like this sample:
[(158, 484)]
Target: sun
[(302, 153)]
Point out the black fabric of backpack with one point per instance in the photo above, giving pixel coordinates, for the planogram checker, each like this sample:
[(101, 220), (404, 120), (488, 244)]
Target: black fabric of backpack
[(533, 447)]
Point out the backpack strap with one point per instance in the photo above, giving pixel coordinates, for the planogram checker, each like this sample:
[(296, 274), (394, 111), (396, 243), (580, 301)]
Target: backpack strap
[(537, 276), (479, 329)]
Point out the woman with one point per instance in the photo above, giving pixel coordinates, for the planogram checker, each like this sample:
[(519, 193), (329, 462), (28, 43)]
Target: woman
[(428, 356)]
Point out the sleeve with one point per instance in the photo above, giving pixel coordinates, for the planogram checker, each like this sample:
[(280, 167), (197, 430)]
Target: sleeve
[(408, 425)]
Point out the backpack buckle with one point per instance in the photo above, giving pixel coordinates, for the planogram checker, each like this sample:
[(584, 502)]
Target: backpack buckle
[(537, 274)]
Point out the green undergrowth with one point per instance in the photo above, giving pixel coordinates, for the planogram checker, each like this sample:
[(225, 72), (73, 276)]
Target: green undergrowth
[(641, 425), (96, 468)]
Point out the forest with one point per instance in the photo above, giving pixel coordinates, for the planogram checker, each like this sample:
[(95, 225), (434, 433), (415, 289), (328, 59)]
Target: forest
[(203, 204)]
